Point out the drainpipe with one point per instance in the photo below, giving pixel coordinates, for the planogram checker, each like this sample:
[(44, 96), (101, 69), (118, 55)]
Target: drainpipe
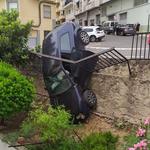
[(40, 3)]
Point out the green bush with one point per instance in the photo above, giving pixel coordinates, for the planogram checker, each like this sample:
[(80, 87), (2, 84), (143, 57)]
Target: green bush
[(95, 141), (50, 125), (100, 141), (16, 92), (13, 38)]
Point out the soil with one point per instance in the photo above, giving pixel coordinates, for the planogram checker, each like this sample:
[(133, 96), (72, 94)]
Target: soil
[(93, 124)]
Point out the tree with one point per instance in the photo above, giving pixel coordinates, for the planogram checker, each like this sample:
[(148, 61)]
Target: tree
[(13, 38)]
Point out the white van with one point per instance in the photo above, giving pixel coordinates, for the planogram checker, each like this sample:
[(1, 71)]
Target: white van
[(108, 26)]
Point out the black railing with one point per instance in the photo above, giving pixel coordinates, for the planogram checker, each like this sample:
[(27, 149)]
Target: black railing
[(110, 58), (140, 46)]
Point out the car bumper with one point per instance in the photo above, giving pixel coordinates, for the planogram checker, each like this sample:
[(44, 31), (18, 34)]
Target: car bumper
[(101, 37)]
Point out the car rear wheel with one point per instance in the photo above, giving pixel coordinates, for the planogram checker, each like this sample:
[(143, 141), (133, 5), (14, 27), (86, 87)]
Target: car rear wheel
[(84, 37), (92, 38), (90, 97)]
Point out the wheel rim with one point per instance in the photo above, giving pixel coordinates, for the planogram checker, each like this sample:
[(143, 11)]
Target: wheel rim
[(84, 37), (90, 98)]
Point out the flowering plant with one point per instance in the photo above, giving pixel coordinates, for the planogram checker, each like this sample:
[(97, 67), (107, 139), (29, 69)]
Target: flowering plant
[(142, 134)]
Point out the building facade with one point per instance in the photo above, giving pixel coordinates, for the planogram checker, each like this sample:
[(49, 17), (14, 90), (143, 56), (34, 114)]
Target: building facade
[(41, 12), (88, 12), (95, 12), (126, 12), (69, 9)]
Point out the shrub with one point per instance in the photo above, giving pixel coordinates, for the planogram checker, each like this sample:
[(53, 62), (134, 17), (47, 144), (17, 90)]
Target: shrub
[(100, 141), (13, 38), (50, 125), (95, 141), (16, 92)]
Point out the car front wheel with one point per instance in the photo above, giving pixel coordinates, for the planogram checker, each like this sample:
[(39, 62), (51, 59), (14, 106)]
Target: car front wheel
[(90, 97), (84, 37)]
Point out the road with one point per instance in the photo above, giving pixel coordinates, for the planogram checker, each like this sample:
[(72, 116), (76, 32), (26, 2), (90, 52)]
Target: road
[(121, 43), (112, 40)]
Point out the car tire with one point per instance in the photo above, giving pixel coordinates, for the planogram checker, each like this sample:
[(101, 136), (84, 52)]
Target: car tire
[(99, 39), (84, 37), (122, 33), (90, 97), (92, 38)]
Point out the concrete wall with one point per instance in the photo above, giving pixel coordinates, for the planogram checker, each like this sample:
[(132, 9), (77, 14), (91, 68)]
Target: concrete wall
[(122, 96), (2, 4)]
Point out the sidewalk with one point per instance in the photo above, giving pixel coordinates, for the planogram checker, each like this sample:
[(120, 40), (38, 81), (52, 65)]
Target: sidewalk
[(4, 146)]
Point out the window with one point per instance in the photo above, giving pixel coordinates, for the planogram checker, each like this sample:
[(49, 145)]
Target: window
[(98, 29), (80, 22), (12, 4), (98, 19), (46, 33), (65, 43), (140, 2), (88, 30), (92, 22), (85, 22), (47, 11)]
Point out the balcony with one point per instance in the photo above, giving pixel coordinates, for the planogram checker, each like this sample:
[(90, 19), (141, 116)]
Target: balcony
[(68, 1), (70, 4), (105, 1)]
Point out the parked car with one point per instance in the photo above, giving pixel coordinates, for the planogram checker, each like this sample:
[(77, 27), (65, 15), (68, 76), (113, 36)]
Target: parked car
[(109, 26), (94, 32), (128, 29)]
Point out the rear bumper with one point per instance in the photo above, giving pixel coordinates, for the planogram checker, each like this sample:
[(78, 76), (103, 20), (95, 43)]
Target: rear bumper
[(101, 37)]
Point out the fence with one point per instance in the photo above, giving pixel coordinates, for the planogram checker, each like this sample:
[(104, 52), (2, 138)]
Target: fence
[(141, 46)]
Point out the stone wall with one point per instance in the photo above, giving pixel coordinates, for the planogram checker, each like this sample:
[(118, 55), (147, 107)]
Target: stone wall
[(121, 95)]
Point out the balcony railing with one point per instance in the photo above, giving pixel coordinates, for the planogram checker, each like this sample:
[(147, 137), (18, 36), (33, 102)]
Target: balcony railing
[(68, 1)]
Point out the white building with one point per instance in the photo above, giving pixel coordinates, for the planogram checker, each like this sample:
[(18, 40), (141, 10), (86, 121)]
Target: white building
[(95, 12), (126, 11)]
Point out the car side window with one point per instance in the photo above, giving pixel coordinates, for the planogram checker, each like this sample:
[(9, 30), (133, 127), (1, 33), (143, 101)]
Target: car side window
[(65, 43), (88, 30)]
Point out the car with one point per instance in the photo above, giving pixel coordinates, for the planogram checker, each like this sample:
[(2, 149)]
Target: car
[(67, 83), (128, 29), (109, 26), (95, 33)]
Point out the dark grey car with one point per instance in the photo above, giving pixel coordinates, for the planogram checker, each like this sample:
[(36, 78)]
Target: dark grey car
[(127, 29), (67, 83)]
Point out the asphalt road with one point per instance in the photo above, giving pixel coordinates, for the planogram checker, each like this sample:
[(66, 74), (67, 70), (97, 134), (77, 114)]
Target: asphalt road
[(114, 41), (121, 43)]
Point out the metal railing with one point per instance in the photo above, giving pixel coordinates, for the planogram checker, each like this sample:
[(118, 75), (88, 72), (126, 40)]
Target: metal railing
[(110, 58), (140, 46)]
